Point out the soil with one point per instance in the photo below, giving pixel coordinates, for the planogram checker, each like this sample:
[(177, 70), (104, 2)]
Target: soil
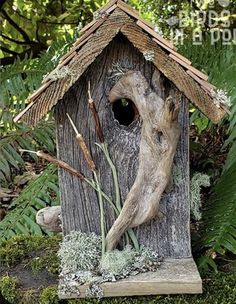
[(27, 278)]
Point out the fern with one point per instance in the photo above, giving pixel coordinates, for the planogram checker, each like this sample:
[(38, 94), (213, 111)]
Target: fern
[(17, 82), (39, 193), (219, 62), (219, 231), (26, 138), (218, 234)]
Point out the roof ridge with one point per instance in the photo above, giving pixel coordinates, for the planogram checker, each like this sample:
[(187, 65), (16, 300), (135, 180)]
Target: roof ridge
[(124, 10)]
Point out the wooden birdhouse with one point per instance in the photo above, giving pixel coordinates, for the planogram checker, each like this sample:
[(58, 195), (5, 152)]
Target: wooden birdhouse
[(126, 88)]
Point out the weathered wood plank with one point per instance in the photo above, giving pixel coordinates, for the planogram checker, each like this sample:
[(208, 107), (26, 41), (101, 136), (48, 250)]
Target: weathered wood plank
[(188, 67), (175, 276), (169, 235)]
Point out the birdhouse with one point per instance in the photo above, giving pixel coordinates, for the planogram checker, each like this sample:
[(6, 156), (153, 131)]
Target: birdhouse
[(126, 88)]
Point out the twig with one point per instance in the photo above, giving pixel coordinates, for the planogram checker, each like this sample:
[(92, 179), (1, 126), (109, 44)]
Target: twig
[(56, 161), (16, 26), (16, 41), (9, 51)]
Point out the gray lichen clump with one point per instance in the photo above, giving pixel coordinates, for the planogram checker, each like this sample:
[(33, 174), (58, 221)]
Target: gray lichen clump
[(80, 255), (82, 263), (220, 97), (198, 180), (149, 55)]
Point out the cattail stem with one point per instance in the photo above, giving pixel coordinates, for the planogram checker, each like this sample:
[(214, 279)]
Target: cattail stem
[(73, 171), (104, 148), (57, 162), (93, 109), (130, 231), (91, 165), (83, 146), (101, 214)]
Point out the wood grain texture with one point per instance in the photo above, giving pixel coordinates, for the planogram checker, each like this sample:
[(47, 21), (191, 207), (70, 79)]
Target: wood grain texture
[(173, 277), (169, 235)]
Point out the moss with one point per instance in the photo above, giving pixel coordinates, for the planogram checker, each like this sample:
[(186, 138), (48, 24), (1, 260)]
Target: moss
[(8, 288), (40, 250), (49, 296), (49, 262)]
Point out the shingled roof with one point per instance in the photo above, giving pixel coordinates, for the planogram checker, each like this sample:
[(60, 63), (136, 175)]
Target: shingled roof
[(116, 16)]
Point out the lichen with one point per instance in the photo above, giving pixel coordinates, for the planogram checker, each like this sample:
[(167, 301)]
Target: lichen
[(60, 73), (220, 97), (79, 252), (82, 263), (177, 175), (198, 180), (118, 263), (8, 288), (149, 55), (94, 290), (117, 71)]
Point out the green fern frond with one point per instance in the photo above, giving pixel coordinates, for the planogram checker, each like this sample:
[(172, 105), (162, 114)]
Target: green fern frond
[(219, 231), (219, 62), (40, 138), (38, 194), (16, 84)]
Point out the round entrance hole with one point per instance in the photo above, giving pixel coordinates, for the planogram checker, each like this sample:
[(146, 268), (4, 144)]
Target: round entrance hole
[(124, 111)]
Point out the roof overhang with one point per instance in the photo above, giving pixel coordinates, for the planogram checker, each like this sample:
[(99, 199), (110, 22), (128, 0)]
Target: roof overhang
[(113, 18)]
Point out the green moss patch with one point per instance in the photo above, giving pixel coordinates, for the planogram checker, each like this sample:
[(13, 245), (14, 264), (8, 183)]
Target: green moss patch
[(31, 259), (8, 288), (21, 248)]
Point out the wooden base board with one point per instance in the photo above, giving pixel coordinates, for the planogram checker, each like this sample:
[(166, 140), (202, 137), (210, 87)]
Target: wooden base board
[(175, 276)]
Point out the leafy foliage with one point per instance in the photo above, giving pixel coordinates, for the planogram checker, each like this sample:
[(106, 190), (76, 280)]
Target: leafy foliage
[(31, 26), (218, 234), (38, 194), (219, 62), (17, 82)]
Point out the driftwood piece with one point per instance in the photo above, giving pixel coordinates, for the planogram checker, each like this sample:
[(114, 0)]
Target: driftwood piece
[(50, 218), (159, 137)]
